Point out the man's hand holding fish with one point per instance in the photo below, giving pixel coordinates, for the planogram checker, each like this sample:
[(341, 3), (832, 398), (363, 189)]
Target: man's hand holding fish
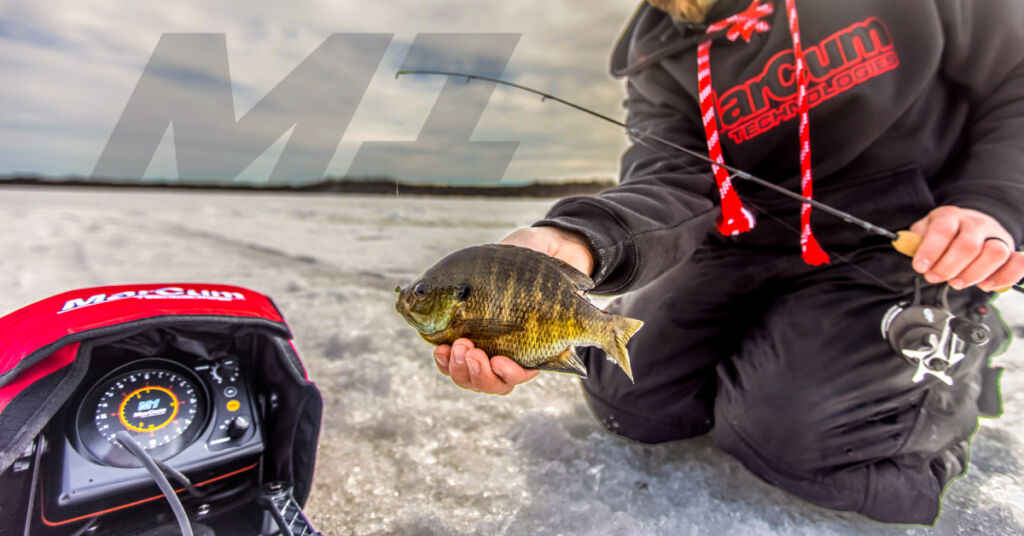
[(470, 367)]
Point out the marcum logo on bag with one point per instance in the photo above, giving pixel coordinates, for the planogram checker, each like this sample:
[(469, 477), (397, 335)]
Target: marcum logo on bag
[(165, 293)]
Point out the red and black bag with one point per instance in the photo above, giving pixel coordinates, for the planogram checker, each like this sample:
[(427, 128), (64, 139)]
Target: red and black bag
[(51, 350)]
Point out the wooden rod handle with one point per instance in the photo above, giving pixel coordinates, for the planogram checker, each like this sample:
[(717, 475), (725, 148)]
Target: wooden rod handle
[(907, 242)]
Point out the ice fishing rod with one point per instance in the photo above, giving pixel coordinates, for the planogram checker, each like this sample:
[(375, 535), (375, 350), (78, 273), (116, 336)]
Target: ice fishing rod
[(906, 242), (737, 173)]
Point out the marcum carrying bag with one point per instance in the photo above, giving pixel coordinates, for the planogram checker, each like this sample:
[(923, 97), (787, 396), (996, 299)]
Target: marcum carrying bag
[(204, 376)]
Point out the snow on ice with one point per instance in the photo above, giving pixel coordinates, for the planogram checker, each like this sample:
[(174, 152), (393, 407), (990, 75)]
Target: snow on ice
[(402, 450)]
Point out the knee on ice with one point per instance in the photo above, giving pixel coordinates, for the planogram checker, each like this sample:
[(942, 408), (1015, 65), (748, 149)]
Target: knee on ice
[(789, 453)]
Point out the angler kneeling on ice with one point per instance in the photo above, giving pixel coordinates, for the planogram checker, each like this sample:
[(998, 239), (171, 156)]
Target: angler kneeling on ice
[(914, 112)]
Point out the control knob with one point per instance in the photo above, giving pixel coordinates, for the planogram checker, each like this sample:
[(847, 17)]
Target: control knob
[(238, 426)]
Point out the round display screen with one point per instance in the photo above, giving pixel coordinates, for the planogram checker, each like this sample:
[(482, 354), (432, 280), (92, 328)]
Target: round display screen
[(161, 405)]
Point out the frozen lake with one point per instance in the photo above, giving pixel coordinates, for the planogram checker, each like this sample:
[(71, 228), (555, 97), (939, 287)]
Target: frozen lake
[(402, 450)]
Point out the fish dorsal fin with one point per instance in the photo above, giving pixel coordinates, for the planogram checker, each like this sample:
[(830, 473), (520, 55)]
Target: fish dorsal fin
[(582, 281)]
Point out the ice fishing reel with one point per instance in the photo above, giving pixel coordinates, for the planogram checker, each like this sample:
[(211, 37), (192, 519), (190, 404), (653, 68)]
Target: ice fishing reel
[(929, 335)]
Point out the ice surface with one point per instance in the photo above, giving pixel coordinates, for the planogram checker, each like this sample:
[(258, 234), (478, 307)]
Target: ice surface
[(402, 450)]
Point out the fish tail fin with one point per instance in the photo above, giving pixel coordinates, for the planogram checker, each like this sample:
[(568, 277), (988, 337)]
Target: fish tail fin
[(622, 329)]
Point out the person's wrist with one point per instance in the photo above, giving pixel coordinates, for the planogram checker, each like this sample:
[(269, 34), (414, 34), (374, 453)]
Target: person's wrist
[(573, 248)]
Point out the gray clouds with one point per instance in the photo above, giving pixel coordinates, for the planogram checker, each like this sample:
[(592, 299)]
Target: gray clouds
[(71, 69)]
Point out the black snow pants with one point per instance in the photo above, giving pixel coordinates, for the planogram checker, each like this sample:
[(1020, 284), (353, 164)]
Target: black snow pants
[(785, 365)]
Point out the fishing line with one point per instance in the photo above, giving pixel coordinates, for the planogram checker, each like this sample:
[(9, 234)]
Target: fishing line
[(400, 220), (735, 173), (846, 260)]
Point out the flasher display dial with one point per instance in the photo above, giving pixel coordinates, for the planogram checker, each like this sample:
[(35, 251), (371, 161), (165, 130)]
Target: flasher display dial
[(162, 407), (155, 406)]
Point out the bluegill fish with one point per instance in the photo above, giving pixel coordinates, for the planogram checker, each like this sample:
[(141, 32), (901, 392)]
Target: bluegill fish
[(515, 302)]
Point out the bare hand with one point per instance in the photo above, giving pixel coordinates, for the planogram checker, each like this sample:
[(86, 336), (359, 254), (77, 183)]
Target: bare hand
[(470, 368), (562, 245), (966, 247)]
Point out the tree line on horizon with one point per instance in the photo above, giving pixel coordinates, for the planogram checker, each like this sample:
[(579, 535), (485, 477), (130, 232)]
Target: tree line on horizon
[(340, 185)]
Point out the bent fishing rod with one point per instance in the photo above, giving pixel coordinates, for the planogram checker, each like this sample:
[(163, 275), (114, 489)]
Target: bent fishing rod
[(906, 242)]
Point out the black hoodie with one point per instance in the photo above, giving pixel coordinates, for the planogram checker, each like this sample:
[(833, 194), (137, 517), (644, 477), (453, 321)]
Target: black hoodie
[(914, 104)]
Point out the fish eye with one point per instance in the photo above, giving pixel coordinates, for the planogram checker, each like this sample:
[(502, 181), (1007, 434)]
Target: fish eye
[(420, 290), (464, 291)]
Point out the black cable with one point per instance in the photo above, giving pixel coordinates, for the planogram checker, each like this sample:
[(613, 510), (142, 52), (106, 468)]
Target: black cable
[(181, 478), (30, 510), (147, 461), (224, 494)]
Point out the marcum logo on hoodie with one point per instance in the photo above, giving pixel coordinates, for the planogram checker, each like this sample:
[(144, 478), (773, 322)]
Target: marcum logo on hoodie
[(165, 293), (842, 61)]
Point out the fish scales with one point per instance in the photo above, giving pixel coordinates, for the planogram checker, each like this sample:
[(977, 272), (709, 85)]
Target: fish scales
[(535, 280), (532, 275), (536, 342), (495, 299), (515, 302)]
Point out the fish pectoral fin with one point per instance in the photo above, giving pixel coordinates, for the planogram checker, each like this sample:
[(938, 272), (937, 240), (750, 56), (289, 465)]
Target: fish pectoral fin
[(488, 328), (567, 361)]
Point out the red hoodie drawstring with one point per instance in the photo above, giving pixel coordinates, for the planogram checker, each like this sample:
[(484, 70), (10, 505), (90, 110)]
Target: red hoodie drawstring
[(812, 252), (735, 218)]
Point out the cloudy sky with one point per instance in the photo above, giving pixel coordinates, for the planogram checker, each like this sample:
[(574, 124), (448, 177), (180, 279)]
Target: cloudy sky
[(70, 68)]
